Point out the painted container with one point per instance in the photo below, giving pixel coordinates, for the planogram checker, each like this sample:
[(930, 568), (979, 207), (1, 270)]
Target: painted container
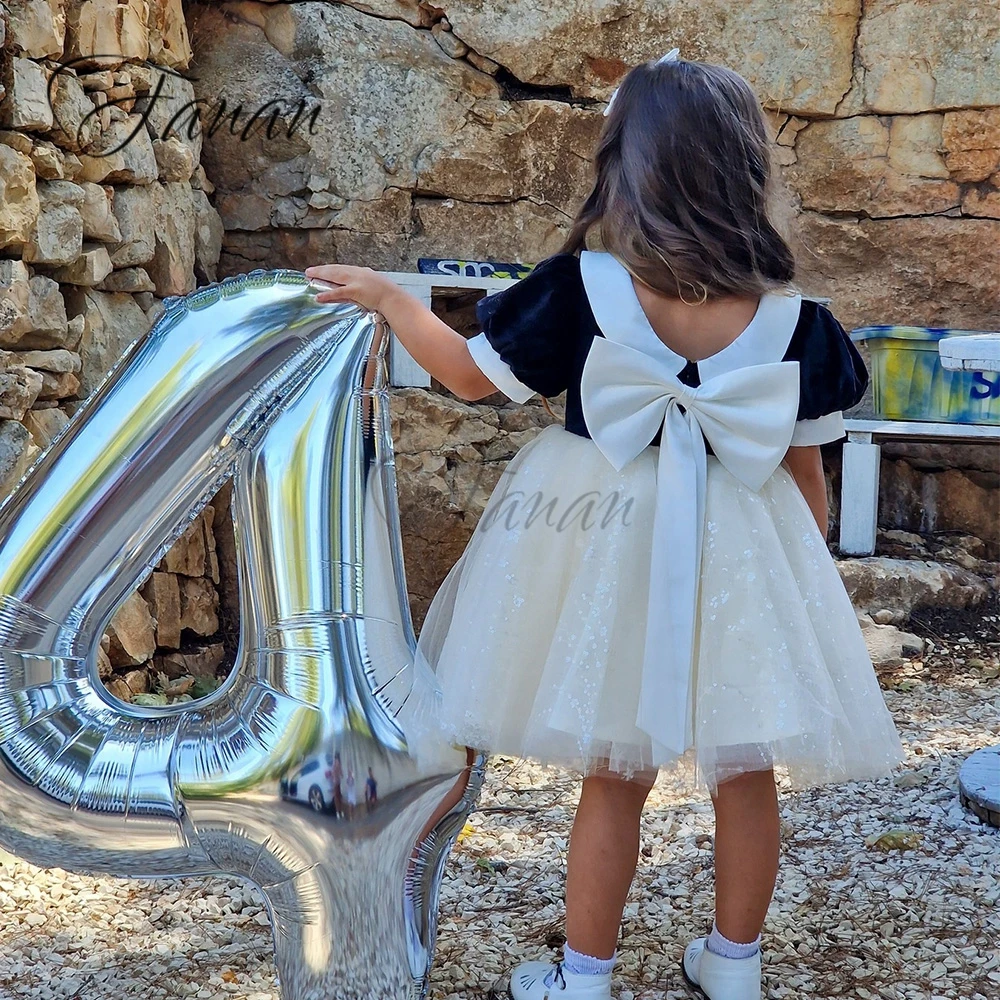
[(910, 383)]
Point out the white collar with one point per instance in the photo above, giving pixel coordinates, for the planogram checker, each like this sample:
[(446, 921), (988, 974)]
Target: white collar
[(619, 314)]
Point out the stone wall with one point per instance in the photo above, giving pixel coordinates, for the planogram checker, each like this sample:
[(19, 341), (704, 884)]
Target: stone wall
[(90, 240), (464, 130), (460, 130)]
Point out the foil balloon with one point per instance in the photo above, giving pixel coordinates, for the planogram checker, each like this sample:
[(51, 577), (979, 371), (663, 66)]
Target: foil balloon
[(249, 378)]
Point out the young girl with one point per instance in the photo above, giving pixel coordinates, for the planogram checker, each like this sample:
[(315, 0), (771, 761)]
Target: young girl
[(652, 577)]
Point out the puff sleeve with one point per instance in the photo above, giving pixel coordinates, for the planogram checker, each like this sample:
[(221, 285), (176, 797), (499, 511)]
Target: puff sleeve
[(529, 330), (832, 374)]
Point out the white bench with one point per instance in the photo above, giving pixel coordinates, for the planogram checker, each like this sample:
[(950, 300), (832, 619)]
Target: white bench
[(860, 473), (403, 370)]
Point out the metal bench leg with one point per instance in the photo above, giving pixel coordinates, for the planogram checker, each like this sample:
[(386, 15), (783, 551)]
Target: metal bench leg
[(859, 495)]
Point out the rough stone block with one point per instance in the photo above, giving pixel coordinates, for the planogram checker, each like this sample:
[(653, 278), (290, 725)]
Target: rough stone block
[(37, 27), (19, 204), (26, 105), (162, 592), (199, 605), (132, 632), (19, 388)]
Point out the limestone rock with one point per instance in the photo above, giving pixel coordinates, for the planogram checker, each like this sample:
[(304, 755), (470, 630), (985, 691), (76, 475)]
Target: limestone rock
[(887, 643), (112, 320), (44, 425), (122, 154), (58, 385), (589, 47), (896, 75), (90, 268), (199, 605), (392, 67), (132, 632), (169, 112), (208, 235), (46, 361), (505, 151), (168, 37), (46, 322), (137, 681), (18, 197), (17, 452), (75, 126), (19, 388), (103, 79), (163, 594), (863, 165), (186, 556), (16, 140), (26, 105), (202, 661), (135, 212), (172, 266), (174, 160), (971, 140), (426, 421), (119, 689), (876, 583), (936, 501), (490, 232), (450, 43), (48, 160), (223, 556), (128, 279), (923, 271), (99, 222), (15, 291), (105, 33), (57, 237), (37, 27), (104, 669)]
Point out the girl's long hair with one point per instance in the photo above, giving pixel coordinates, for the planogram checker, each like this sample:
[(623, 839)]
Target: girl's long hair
[(683, 183)]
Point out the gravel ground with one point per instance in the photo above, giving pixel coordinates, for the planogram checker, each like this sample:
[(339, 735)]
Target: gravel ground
[(848, 919)]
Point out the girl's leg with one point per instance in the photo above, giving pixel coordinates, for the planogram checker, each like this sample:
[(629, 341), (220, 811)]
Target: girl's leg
[(747, 833), (603, 852)]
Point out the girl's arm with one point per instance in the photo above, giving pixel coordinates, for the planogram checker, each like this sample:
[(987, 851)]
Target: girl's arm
[(434, 345), (806, 466)]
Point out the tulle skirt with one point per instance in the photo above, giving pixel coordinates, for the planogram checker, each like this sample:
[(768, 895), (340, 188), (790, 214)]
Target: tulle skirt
[(536, 634)]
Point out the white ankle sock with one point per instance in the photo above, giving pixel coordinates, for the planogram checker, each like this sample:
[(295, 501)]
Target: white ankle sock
[(722, 946), (586, 965)]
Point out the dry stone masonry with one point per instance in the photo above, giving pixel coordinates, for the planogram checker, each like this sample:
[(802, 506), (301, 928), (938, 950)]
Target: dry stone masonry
[(90, 240), (378, 132), (464, 130)]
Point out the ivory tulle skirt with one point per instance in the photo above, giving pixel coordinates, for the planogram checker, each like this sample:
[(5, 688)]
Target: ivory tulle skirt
[(536, 634)]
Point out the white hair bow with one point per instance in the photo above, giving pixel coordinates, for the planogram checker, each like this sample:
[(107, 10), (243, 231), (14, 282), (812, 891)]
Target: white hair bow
[(671, 56)]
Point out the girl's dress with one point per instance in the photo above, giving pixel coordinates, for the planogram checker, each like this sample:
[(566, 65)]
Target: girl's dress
[(648, 579)]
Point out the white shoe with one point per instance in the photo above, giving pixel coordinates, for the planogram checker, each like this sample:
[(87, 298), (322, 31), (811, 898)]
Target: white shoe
[(550, 981), (721, 978)]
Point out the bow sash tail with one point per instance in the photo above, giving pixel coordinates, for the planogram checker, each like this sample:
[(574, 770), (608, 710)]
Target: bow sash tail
[(748, 415)]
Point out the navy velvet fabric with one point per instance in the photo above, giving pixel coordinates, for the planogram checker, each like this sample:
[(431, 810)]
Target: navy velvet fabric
[(542, 327)]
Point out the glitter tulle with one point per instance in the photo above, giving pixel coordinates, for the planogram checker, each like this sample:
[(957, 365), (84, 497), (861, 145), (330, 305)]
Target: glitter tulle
[(536, 634)]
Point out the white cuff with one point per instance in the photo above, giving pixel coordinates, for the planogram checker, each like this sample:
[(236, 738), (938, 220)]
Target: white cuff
[(823, 430), (497, 370)]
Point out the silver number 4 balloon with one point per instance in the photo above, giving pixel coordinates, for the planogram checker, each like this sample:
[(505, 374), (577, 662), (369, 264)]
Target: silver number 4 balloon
[(316, 771)]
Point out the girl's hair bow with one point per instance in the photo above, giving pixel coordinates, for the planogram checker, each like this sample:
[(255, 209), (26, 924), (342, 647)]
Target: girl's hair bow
[(672, 56)]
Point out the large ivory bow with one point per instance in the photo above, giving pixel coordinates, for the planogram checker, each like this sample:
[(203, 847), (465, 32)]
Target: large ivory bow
[(748, 415)]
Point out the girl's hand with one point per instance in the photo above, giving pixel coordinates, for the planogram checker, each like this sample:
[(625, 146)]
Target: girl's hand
[(362, 285)]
